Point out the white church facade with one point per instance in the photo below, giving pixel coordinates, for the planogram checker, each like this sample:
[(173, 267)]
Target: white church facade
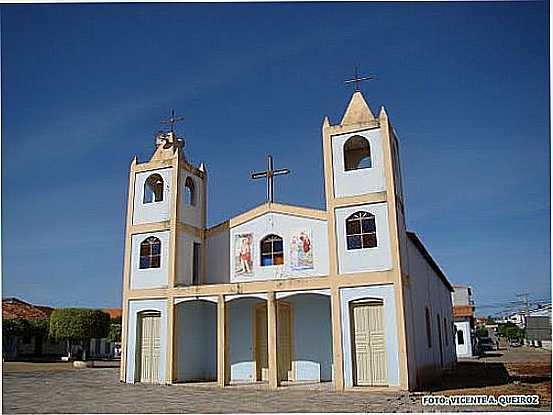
[(283, 294)]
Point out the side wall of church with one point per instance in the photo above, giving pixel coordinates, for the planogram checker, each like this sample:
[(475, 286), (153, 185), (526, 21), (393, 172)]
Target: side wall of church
[(293, 231), (426, 290), (356, 182), (155, 211)]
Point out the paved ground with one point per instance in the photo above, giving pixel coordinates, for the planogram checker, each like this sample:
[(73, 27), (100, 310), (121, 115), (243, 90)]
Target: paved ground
[(58, 388)]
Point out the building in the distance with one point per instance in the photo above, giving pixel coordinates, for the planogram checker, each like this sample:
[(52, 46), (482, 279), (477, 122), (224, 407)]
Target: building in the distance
[(33, 344), (284, 293), (29, 344), (463, 314)]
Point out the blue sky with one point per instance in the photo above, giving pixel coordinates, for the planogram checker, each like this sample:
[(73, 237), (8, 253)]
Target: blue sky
[(84, 87)]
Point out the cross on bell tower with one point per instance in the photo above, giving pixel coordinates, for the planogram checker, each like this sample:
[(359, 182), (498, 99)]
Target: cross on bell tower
[(356, 79), (172, 120), (269, 174)]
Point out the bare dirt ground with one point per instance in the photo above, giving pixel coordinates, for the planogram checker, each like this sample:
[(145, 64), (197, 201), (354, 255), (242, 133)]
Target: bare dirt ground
[(508, 371)]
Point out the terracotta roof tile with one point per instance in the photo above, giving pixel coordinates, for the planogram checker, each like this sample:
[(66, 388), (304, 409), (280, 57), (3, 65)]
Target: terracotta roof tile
[(463, 311), (113, 312), (14, 310)]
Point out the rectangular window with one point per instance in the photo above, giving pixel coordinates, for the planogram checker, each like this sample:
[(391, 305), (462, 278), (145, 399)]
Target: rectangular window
[(428, 327), (196, 264), (460, 337)]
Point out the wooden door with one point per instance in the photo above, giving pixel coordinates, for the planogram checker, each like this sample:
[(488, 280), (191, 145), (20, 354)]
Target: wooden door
[(284, 344), (368, 344), (261, 351), (149, 347)]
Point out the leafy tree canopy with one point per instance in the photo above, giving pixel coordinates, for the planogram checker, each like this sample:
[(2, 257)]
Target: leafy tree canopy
[(78, 324), (114, 332)]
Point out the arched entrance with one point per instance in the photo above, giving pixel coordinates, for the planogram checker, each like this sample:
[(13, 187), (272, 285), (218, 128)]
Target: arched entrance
[(368, 343), (148, 347)]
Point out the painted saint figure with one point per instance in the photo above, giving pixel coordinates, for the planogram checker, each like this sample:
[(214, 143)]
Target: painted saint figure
[(301, 251), (243, 257)]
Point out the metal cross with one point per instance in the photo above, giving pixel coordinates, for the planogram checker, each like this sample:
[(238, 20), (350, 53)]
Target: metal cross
[(356, 79), (269, 174), (172, 120)]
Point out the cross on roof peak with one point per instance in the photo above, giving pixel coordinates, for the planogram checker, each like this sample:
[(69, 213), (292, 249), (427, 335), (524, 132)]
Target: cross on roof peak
[(357, 79), (269, 174)]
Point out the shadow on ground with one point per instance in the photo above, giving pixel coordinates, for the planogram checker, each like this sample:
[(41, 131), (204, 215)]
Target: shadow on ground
[(480, 374)]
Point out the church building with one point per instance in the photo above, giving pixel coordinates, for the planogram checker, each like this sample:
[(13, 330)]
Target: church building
[(284, 294)]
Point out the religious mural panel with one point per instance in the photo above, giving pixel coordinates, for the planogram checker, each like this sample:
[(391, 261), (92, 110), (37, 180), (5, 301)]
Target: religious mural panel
[(301, 251), (243, 254)]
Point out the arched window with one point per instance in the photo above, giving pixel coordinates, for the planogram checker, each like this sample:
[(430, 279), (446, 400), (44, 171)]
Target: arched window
[(357, 153), (361, 230), (189, 192), (150, 253), (460, 337), (272, 250), (153, 189)]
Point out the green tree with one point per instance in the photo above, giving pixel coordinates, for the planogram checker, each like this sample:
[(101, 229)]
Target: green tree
[(15, 327), (114, 334), (511, 331), (78, 326), (482, 332)]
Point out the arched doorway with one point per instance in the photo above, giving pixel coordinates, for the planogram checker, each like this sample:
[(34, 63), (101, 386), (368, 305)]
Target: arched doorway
[(368, 343), (148, 347)]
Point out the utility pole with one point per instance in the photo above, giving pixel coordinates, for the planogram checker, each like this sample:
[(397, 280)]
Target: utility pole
[(524, 297)]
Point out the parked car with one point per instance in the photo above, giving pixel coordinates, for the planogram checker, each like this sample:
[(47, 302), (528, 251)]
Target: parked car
[(117, 350), (515, 343), (486, 344)]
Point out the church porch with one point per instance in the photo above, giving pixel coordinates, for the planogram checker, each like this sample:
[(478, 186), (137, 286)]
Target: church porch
[(277, 339)]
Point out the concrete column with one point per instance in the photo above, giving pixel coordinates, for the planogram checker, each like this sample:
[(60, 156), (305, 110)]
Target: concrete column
[(222, 347), (272, 340), (337, 340), (170, 370)]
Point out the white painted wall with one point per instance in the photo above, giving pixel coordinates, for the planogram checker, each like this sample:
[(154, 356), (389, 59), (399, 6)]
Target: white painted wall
[(312, 337), (155, 211), (356, 182), (150, 277), (284, 226), (191, 215), (218, 258), (185, 257), (427, 289), (135, 307), (378, 258), (241, 356), (196, 341)]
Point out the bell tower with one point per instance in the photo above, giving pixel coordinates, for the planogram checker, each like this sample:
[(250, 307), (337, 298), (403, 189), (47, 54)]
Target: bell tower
[(362, 185), (166, 218)]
